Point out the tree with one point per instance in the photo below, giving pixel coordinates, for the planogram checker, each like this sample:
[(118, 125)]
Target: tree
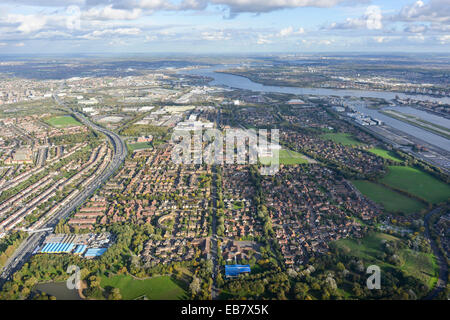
[(115, 294), (194, 287), (301, 290), (340, 266)]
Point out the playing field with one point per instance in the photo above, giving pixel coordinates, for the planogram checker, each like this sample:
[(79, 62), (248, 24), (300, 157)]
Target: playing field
[(63, 122), (385, 154), (417, 264), (343, 138), (418, 183), (287, 157), (391, 201), (138, 146), (157, 288)]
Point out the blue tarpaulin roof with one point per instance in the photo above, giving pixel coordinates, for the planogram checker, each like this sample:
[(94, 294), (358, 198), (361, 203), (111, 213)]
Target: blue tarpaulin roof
[(95, 252), (57, 247), (234, 270), (80, 249)]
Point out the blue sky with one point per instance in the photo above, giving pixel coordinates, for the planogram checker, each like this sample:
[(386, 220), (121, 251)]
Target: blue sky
[(223, 26)]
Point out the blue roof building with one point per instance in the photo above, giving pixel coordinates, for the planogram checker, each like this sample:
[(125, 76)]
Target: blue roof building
[(80, 249), (57, 247), (94, 252), (233, 270)]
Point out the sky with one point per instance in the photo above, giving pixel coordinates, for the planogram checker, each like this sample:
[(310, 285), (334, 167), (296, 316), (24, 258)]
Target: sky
[(223, 26)]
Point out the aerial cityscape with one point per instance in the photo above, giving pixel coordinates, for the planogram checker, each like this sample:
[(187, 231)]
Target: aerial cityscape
[(160, 168)]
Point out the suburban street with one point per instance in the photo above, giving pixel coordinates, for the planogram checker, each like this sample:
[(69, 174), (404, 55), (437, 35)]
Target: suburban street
[(26, 249), (214, 244)]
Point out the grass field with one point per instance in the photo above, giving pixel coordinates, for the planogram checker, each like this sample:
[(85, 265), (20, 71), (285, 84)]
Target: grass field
[(368, 248), (418, 183), (138, 146), (63, 122), (385, 154), (417, 264), (157, 288), (287, 157), (392, 201), (343, 138)]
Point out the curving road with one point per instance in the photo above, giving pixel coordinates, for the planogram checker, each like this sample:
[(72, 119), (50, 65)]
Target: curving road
[(25, 250)]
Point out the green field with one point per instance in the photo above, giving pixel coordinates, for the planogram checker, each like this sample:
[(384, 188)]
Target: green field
[(418, 183), (385, 154), (287, 157), (156, 288), (138, 146), (417, 264), (392, 201), (63, 122), (343, 138), (421, 265), (368, 247)]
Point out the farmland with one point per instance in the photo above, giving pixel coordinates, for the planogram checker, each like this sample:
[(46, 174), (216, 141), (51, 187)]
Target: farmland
[(392, 201), (418, 183)]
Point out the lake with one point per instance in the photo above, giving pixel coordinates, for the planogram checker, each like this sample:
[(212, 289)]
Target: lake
[(59, 290)]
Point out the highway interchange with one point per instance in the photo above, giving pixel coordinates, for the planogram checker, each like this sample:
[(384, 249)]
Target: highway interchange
[(26, 249)]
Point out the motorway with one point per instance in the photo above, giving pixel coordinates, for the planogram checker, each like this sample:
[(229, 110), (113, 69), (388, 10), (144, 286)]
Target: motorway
[(25, 250)]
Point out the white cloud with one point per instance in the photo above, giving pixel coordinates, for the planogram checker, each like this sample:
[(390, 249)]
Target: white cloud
[(46, 3), (98, 34), (317, 42), (432, 11), (117, 42), (215, 36), (444, 39), (27, 23), (150, 38), (416, 28), (109, 13), (286, 31), (289, 31), (325, 42), (52, 34), (154, 5), (263, 40), (417, 38), (238, 6), (20, 44), (373, 18)]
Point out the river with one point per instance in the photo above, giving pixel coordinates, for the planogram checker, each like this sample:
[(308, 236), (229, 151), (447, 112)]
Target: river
[(239, 82)]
